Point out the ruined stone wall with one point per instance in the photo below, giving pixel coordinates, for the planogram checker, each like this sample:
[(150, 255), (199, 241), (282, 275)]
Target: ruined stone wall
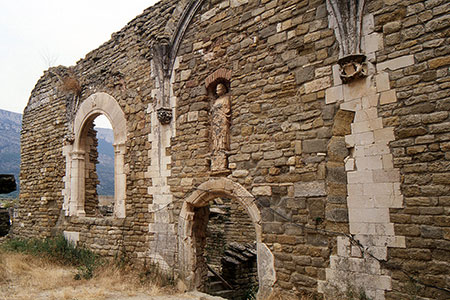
[(350, 180), (418, 32), (42, 139)]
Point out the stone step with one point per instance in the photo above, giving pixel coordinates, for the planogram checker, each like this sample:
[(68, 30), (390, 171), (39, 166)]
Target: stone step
[(227, 294), (215, 286)]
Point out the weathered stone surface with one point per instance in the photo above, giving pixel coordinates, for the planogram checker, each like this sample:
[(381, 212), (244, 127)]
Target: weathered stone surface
[(314, 146), (309, 189)]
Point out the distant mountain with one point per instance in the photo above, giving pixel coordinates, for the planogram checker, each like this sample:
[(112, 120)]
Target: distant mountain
[(10, 127), (105, 167)]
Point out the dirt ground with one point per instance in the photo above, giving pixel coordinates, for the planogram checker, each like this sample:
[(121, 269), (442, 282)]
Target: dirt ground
[(24, 277)]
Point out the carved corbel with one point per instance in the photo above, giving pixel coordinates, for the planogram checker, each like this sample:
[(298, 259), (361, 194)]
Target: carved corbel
[(352, 67), (164, 115), (346, 16)]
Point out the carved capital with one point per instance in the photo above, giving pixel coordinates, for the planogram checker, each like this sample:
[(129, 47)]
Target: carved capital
[(164, 115)]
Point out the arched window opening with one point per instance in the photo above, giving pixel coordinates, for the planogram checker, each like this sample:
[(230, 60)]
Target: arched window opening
[(94, 172), (99, 167)]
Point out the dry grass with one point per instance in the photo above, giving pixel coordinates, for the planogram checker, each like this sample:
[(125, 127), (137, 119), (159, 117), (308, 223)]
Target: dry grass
[(25, 277)]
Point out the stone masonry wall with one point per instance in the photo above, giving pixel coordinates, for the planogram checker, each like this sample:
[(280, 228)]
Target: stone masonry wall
[(418, 32), (350, 180)]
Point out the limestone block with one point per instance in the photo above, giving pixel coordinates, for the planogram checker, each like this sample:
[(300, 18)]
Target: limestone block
[(384, 135), (262, 191), (343, 248), (366, 114), (368, 25), (382, 81), (373, 42), (356, 251), (361, 201), (334, 94), (337, 75), (309, 189), (360, 176), (358, 88), (387, 97), (368, 125), (364, 138), (236, 3), (353, 105), (396, 63), (317, 85), (370, 101), (368, 215), (266, 269)]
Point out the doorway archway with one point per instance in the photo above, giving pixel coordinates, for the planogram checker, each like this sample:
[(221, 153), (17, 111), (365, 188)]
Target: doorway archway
[(192, 268)]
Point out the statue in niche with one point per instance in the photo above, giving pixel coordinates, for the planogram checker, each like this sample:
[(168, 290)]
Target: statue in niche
[(220, 129)]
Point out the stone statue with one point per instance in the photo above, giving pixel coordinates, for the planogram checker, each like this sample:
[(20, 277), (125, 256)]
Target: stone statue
[(220, 129)]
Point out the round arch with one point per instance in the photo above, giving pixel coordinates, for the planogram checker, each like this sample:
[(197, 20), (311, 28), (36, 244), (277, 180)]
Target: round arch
[(201, 197), (95, 105)]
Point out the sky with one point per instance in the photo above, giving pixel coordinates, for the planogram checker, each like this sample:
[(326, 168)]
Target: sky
[(37, 34)]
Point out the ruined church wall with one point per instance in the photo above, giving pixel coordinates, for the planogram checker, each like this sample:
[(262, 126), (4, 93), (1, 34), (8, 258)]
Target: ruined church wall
[(292, 129)]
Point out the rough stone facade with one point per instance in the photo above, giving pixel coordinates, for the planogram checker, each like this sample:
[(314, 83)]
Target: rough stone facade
[(336, 142)]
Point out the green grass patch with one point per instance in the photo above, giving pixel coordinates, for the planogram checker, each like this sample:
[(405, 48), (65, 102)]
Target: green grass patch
[(58, 249)]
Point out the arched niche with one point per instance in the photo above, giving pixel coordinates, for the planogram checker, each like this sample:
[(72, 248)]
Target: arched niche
[(97, 104), (190, 271)]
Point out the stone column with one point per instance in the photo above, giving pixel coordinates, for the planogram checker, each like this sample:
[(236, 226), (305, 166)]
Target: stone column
[(119, 181), (77, 183)]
